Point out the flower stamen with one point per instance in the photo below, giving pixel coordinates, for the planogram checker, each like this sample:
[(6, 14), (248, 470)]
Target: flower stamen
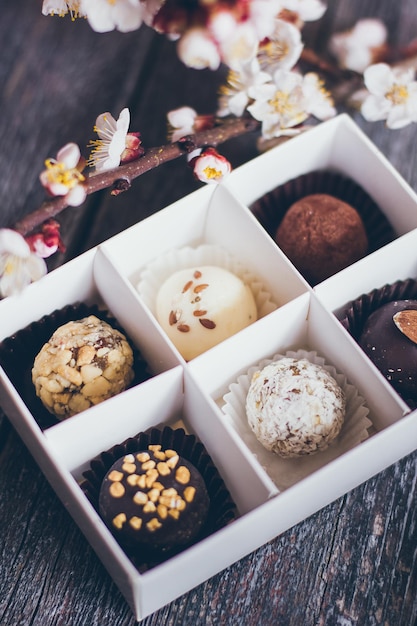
[(61, 8), (398, 94), (58, 173)]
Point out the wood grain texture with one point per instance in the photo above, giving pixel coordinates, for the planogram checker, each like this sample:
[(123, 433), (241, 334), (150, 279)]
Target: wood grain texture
[(353, 562)]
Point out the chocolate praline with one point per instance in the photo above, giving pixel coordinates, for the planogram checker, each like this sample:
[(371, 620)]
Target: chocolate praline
[(389, 338), (322, 235), (154, 498)]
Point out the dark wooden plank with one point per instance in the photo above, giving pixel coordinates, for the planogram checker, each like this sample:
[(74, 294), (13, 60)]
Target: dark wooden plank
[(354, 562)]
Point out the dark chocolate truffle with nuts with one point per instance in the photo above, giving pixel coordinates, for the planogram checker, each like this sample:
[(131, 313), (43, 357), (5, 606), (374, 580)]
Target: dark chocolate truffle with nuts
[(154, 498), (322, 235)]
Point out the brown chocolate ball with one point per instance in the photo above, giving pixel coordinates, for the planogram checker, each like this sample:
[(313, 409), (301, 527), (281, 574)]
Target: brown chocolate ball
[(154, 498), (321, 235)]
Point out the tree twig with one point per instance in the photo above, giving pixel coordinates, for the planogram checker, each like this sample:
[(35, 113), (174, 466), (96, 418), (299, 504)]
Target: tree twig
[(120, 178)]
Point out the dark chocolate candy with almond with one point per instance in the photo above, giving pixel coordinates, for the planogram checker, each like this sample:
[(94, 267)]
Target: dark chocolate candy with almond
[(389, 338)]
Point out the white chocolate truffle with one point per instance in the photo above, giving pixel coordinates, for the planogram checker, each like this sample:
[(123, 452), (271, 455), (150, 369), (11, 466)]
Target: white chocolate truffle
[(83, 363), (199, 307), (295, 407)]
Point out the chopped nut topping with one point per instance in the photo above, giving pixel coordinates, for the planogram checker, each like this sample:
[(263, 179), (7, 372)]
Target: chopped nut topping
[(162, 511), (199, 312), (153, 524), (141, 481), (140, 497), (142, 457), (189, 493), (163, 468), (115, 476), (149, 507), (116, 490), (197, 274), (151, 476), (148, 465), (135, 522), (129, 468), (153, 494), (182, 475), (119, 520), (169, 501), (133, 480), (149, 491), (172, 461)]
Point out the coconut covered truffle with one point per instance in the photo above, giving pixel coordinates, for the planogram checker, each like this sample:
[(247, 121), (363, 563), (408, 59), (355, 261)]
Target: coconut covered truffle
[(154, 498), (201, 306), (83, 363), (321, 235), (295, 407)]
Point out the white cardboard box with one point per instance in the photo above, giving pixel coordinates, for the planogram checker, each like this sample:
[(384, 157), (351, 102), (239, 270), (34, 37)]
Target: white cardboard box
[(194, 391)]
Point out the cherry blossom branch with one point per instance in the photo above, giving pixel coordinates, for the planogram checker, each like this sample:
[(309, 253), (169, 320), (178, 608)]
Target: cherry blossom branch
[(119, 179), (346, 84)]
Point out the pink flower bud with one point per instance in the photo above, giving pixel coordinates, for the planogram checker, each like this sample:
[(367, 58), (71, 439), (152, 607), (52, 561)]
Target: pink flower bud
[(210, 166), (46, 242), (133, 148)]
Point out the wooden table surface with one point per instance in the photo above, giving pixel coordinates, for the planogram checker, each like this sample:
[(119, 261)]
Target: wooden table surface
[(354, 562)]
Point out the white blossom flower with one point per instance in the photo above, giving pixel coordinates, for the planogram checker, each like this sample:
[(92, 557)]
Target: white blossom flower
[(107, 15), (280, 105), (221, 24), (63, 177), (198, 50), (318, 100), (393, 95), (18, 265), (185, 121), (282, 49), (240, 47), (358, 47), (262, 14), (210, 166), (182, 120), (307, 10), (115, 144), (61, 8), (234, 96)]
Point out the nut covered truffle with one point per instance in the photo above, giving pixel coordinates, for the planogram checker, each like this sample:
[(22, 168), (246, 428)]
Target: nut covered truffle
[(321, 235), (389, 338), (154, 498), (200, 307), (83, 363), (295, 407)]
